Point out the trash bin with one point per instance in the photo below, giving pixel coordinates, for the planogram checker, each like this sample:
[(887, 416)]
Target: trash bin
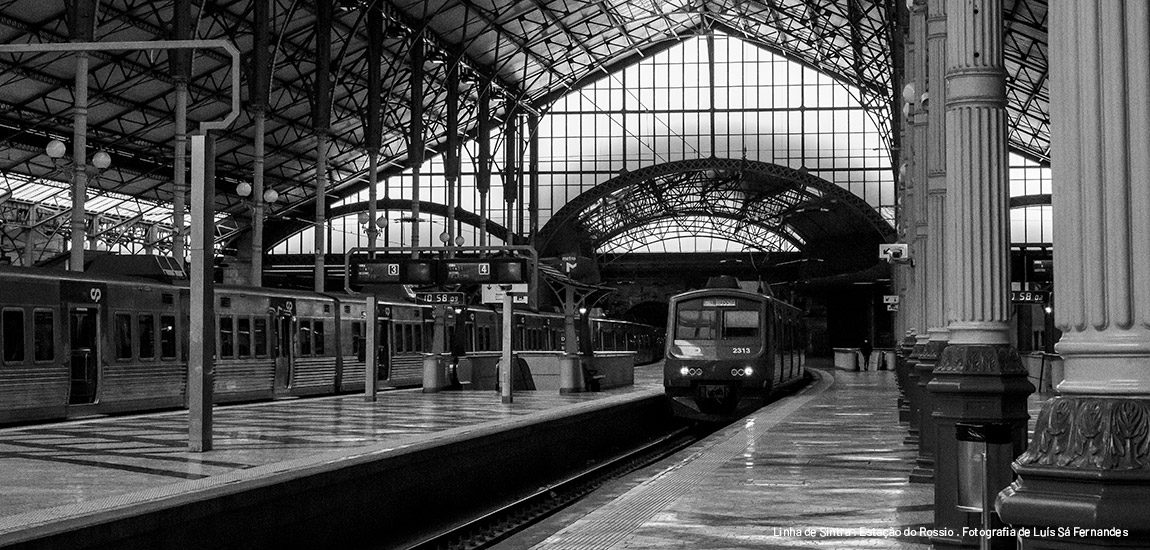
[(847, 358)]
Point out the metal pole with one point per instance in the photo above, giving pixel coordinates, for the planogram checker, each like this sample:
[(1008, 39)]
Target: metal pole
[(505, 373), (201, 325), (79, 162), (258, 200), (371, 354), (179, 176)]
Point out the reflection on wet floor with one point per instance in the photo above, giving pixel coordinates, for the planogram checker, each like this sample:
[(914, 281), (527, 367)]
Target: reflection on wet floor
[(73, 462), (823, 469)]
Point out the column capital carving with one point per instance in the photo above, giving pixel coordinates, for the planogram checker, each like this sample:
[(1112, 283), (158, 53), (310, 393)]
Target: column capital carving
[(1100, 434), (979, 360)]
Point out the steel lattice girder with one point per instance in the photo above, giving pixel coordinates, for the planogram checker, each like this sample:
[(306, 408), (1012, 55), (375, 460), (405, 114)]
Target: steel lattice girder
[(753, 198), (534, 50)]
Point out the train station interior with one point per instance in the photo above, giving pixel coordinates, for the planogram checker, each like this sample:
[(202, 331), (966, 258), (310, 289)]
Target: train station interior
[(892, 169)]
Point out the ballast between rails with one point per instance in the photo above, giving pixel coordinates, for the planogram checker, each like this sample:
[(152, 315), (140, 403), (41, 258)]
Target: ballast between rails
[(76, 344)]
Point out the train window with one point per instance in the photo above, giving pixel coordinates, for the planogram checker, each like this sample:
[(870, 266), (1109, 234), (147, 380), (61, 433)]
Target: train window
[(317, 336), (417, 337), (740, 324), (244, 337), (305, 337), (260, 332), (13, 321), (695, 324), (408, 344), (358, 342), (167, 337), (43, 335), (147, 325), (227, 337), (123, 332)]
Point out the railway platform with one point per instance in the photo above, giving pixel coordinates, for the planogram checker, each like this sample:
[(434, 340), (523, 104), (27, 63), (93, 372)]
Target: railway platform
[(61, 482), (824, 468)]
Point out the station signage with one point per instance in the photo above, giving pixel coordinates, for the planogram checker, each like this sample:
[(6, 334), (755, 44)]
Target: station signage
[(406, 271), (488, 270), (440, 298), (493, 294), (1030, 297)]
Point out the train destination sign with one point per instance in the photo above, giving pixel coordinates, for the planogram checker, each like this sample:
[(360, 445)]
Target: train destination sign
[(720, 302)]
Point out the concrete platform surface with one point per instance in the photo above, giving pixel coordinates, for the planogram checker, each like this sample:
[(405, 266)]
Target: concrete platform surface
[(79, 463), (825, 468)]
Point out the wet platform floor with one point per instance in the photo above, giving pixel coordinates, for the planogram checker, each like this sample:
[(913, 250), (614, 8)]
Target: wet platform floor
[(83, 462), (826, 468)]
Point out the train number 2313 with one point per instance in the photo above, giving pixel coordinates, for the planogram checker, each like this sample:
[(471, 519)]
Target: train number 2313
[(740, 351)]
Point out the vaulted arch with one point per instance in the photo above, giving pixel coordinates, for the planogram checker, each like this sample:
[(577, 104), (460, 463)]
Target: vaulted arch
[(763, 206)]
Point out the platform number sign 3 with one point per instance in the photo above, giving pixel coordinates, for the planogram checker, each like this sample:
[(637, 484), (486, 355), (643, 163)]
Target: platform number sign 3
[(393, 270), (95, 294)]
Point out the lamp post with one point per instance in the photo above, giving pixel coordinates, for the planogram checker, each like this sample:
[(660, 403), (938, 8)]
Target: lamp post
[(79, 171), (270, 196), (372, 229)]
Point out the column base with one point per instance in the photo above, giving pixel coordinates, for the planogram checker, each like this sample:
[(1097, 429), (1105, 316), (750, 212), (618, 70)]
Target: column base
[(1086, 473), (923, 471), (975, 385)]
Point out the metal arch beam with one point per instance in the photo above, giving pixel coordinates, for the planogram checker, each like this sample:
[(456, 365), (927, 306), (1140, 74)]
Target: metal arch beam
[(404, 205), (740, 230), (1023, 201), (571, 216)]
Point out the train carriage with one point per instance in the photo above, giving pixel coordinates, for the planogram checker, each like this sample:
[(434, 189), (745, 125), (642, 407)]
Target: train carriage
[(727, 350), (73, 344), (81, 344)]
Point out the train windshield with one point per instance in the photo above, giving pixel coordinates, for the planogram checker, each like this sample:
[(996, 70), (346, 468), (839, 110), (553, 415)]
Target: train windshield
[(717, 319)]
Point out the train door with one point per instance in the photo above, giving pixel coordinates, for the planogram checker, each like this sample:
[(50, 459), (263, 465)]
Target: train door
[(383, 349), (84, 357), (283, 329)]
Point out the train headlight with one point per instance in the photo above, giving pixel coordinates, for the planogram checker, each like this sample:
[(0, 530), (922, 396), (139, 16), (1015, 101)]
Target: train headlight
[(750, 371), (684, 371)]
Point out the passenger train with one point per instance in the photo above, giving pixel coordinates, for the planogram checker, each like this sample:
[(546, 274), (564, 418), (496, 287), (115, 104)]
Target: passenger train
[(75, 344), (728, 350)]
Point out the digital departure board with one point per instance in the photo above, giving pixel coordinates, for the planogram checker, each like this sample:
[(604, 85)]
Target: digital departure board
[(489, 270), (443, 298), (412, 272)]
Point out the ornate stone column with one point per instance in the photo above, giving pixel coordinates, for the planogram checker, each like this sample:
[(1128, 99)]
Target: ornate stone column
[(1088, 466), (979, 378), (911, 174), (926, 243)]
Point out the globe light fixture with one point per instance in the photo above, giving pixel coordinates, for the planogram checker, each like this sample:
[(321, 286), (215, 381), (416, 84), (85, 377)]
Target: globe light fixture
[(101, 160), (55, 149)]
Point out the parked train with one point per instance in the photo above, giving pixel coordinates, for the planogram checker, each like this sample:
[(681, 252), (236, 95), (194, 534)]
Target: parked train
[(74, 344), (727, 350)]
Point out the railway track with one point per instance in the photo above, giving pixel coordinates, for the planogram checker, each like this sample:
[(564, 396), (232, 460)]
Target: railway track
[(491, 528)]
